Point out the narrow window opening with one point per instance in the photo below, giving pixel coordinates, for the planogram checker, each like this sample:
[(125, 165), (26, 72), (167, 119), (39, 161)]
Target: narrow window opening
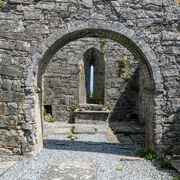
[(94, 71), (91, 81)]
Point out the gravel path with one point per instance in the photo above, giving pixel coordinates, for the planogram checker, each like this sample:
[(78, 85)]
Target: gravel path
[(89, 148)]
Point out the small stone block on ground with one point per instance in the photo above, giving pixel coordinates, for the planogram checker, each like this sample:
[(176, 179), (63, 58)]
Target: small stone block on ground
[(71, 171), (4, 166), (127, 127), (61, 130), (84, 130), (129, 158)]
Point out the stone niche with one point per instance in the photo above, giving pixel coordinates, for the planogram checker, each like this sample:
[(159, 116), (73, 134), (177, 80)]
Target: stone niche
[(67, 81)]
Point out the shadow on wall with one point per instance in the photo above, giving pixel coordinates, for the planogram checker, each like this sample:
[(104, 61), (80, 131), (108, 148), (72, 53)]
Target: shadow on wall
[(126, 108), (170, 140), (172, 135), (175, 150)]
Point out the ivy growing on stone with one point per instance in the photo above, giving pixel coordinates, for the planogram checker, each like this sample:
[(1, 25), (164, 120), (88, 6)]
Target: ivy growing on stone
[(103, 42)]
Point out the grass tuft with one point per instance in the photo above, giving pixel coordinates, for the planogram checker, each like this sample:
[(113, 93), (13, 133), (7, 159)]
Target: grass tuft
[(72, 129), (119, 169), (146, 154)]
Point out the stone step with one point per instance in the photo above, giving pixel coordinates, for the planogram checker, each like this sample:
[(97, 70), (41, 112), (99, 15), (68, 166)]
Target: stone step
[(71, 170), (60, 128), (78, 130), (130, 127), (81, 121), (87, 116), (84, 130)]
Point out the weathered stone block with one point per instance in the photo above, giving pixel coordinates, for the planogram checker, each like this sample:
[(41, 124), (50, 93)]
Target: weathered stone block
[(37, 28), (22, 46), (11, 120), (3, 108), (91, 116), (6, 59), (59, 90), (16, 86), (32, 15), (62, 101), (154, 2), (15, 1), (9, 71), (175, 104), (4, 152), (26, 126), (87, 3), (11, 110), (6, 85), (11, 96), (66, 169)]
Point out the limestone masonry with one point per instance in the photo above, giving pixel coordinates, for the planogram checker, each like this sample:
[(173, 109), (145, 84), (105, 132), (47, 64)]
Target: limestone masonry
[(47, 49)]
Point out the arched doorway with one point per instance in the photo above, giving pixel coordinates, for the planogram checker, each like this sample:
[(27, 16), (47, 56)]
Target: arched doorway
[(114, 31)]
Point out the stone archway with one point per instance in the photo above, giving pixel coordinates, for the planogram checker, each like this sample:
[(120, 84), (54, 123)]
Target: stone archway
[(72, 31)]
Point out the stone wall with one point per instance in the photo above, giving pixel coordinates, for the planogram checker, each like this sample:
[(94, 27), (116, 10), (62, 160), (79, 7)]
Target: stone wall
[(31, 32), (61, 80)]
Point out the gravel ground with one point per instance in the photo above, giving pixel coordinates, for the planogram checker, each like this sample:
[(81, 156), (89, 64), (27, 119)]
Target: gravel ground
[(88, 148)]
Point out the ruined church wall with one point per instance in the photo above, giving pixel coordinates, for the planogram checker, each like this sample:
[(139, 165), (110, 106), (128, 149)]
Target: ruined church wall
[(24, 25)]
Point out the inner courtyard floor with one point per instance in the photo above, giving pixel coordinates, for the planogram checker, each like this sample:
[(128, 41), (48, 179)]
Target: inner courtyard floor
[(102, 151)]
